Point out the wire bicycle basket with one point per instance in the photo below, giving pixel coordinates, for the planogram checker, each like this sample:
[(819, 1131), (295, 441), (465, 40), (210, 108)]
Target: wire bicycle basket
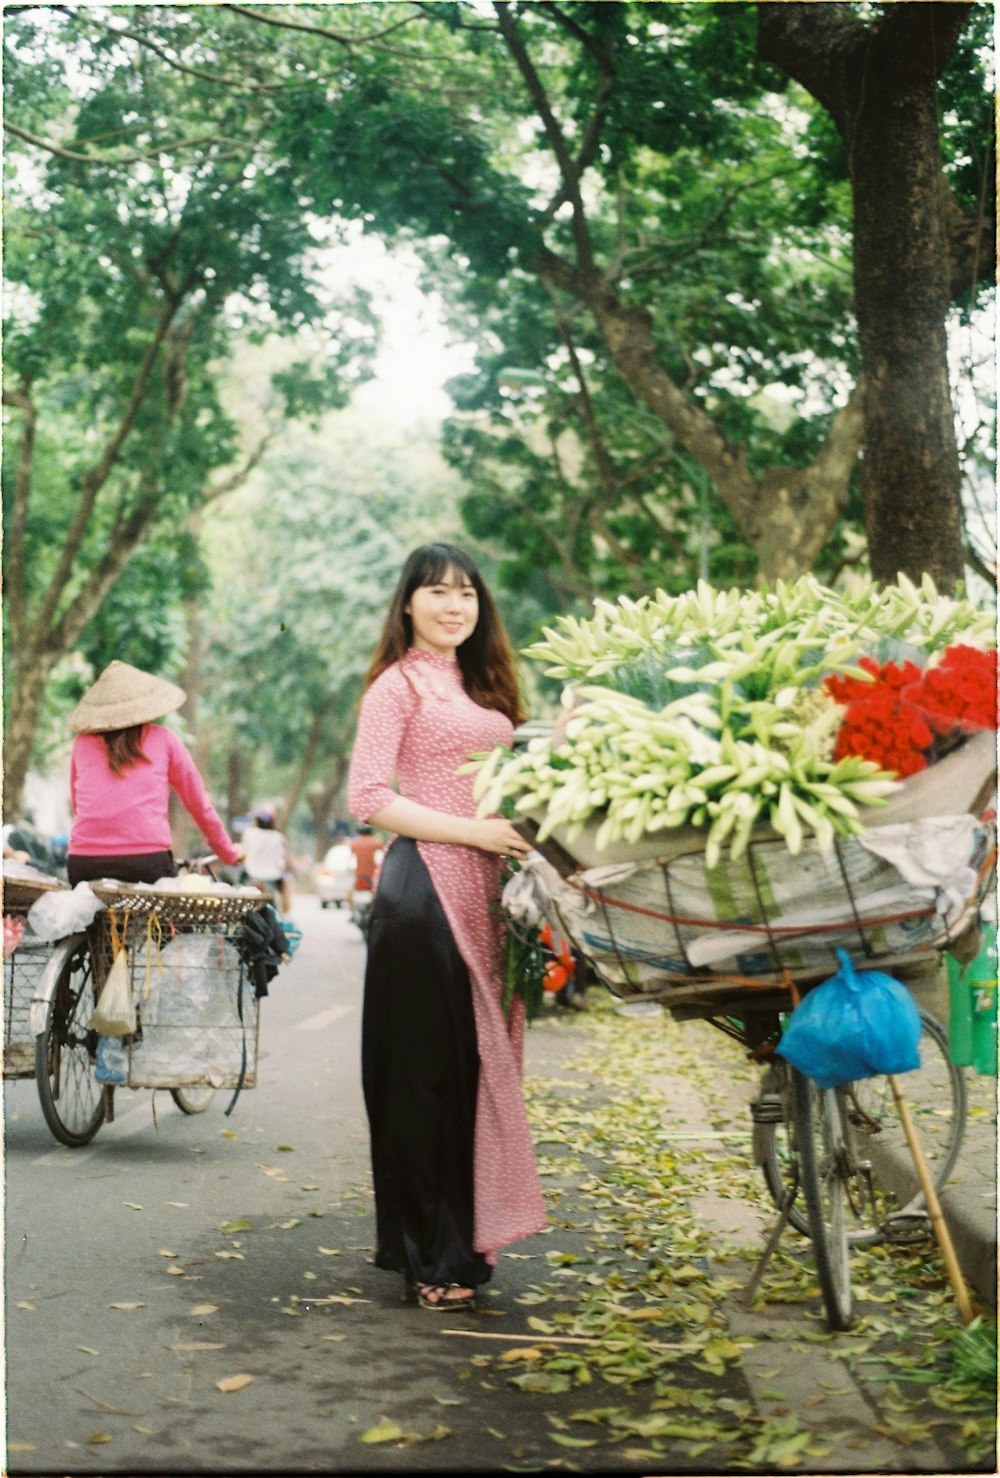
[(198, 1013), (670, 928)]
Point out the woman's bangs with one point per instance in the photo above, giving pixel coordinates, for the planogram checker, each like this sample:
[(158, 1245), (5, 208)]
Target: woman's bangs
[(438, 560)]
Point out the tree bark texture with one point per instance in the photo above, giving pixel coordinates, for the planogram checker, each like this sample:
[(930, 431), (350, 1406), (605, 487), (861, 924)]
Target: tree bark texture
[(21, 718), (878, 80)]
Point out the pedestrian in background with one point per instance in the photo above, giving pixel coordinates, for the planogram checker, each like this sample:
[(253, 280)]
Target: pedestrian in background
[(268, 857), (367, 851), (123, 767), (452, 1157)]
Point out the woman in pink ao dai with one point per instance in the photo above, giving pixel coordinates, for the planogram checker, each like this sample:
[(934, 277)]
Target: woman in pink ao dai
[(452, 1157)]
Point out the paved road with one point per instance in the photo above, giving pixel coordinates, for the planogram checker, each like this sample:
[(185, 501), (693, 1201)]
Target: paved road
[(173, 1255)]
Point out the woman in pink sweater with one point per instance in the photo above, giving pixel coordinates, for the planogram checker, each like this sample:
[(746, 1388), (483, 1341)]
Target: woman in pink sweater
[(122, 770)]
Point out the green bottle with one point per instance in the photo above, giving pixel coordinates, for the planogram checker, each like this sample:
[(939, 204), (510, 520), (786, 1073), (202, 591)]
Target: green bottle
[(960, 1048), (981, 978)]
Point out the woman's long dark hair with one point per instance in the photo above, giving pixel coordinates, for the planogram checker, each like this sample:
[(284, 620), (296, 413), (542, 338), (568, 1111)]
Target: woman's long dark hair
[(124, 748), (485, 659)]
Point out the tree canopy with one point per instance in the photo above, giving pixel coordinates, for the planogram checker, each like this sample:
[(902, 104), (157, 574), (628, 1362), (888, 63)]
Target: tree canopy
[(645, 216)]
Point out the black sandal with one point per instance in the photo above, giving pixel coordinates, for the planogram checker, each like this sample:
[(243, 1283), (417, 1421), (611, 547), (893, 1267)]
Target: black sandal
[(436, 1295)]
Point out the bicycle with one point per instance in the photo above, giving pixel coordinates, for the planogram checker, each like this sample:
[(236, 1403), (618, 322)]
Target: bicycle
[(75, 1102), (835, 1162)]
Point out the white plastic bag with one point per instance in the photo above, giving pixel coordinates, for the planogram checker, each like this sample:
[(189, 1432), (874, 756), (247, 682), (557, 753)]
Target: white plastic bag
[(64, 911), (115, 1015)]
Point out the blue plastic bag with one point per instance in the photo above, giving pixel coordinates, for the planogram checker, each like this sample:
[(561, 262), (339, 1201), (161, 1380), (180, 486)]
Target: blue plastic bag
[(857, 1024), (293, 936)]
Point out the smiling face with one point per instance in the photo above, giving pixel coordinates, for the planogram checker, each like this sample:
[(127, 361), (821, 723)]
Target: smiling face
[(444, 614)]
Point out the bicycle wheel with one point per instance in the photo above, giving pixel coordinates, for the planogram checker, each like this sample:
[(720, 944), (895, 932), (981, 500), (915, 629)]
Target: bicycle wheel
[(192, 1100), (937, 1098), (818, 1116), (886, 1193), (71, 1097), (774, 1140)]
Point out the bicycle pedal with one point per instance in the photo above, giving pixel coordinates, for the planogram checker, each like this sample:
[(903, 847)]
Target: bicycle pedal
[(906, 1228), (767, 1109)]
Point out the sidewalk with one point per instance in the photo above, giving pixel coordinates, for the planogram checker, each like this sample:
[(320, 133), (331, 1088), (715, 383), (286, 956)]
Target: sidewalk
[(968, 1201)]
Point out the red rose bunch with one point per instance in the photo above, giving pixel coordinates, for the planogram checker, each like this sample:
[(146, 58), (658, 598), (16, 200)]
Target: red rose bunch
[(880, 724), (896, 718), (960, 693)]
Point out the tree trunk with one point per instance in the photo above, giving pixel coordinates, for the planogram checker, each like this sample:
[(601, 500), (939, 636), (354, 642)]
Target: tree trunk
[(910, 475), (22, 717), (237, 783), (321, 803), (304, 768), (185, 833), (878, 80)]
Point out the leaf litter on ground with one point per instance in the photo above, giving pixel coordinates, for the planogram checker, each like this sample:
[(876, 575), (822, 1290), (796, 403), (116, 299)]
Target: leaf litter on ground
[(655, 1315)]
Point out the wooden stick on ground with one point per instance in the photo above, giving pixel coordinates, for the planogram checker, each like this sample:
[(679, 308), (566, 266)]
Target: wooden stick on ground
[(933, 1205), (554, 1339)]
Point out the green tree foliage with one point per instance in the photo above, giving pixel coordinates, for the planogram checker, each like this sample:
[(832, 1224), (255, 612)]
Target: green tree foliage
[(646, 228), (146, 225), (304, 561), (634, 183)]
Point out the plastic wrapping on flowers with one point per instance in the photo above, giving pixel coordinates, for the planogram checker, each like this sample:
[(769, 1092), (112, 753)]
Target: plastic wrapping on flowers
[(796, 707)]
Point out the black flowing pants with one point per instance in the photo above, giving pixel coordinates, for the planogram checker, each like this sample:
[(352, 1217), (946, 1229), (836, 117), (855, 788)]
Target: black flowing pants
[(419, 1070)]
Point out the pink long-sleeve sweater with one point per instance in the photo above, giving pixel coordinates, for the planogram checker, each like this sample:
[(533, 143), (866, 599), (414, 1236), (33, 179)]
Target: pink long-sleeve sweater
[(418, 725), (127, 815)]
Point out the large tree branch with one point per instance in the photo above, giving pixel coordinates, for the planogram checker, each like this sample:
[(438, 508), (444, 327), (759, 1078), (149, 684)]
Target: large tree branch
[(152, 157), (836, 56), (237, 478), (92, 482), (343, 38), (124, 539), (601, 54), (627, 332), (818, 45), (918, 38), (787, 512), (557, 141)]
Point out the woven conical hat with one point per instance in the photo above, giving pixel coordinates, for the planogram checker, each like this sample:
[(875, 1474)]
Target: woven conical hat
[(123, 696)]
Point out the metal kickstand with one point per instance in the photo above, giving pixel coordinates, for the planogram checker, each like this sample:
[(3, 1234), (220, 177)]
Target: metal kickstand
[(773, 1239)]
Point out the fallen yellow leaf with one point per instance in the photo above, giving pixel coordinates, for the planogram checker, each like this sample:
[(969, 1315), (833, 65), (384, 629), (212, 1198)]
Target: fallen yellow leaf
[(200, 1309), (233, 1383)]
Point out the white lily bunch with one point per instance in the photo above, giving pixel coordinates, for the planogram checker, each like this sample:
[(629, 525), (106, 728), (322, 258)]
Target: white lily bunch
[(749, 740), (839, 621)]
